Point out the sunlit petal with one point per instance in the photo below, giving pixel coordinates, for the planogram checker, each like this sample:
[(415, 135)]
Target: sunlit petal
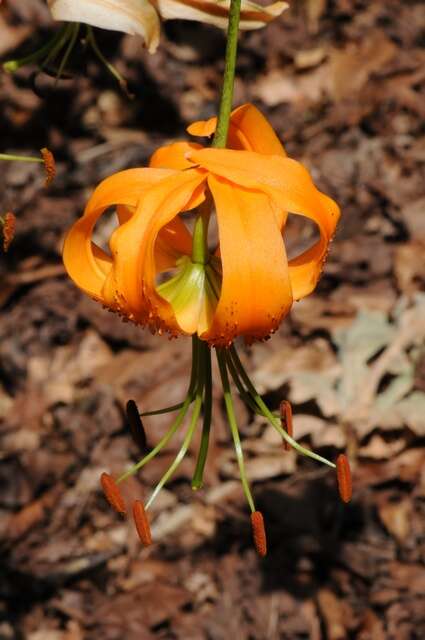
[(256, 291), (86, 263), (174, 156), (135, 17), (134, 247), (289, 184), (248, 130), (253, 16)]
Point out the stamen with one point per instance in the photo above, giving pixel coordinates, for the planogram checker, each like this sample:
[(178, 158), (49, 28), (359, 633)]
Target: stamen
[(221, 358), (142, 523), (265, 411), (343, 474), (259, 533), (177, 422), (13, 65), (286, 421), (72, 40), (112, 493), (136, 425), (110, 67), (9, 227), (49, 165)]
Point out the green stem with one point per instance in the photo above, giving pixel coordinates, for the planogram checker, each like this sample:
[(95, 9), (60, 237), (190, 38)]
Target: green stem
[(200, 233), (265, 411), (203, 448), (221, 358), (8, 156), (220, 137), (200, 253)]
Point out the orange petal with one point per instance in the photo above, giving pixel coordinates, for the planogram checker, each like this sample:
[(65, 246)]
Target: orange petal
[(290, 186), (256, 291), (173, 156), (86, 263), (134, 248), (248, 130), (174, 240)]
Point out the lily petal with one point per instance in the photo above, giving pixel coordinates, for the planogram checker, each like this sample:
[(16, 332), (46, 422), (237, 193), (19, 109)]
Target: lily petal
[(135, 17), (134, 248), (174, 156), (256, 290), (249, 130), (253, 16), (290, 186), (86, 263)]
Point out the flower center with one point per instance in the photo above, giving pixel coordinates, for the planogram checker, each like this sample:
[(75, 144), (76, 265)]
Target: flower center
[(193, 293)]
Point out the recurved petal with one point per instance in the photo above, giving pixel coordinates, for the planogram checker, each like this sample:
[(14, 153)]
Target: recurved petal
[(174, 156), (134, 247), (253, 16), (174, 240), (256, 291), (248, 130), (135, 17), (290, 186), (87, 264)]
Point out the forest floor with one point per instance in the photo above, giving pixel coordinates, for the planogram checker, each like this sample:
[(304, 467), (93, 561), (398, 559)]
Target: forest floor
[(343, 83)]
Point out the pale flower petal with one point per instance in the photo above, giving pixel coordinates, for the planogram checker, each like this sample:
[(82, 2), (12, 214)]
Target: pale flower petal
[(135, 17), (253, 16)]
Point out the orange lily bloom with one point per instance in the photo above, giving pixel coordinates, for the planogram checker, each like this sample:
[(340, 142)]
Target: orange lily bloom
[(247, 285)]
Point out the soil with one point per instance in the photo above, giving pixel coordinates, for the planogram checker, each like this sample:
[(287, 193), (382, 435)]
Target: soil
[(343, 85)]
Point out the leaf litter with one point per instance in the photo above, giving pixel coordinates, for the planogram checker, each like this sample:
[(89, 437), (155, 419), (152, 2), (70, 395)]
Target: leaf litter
[(343, 85)]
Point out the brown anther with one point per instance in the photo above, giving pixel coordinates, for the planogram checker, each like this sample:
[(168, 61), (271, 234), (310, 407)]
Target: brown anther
[(9, 228), (142, 523), (259, 533), (343, 475), (286, 421), (136, 425), (112, 493), (49, 165)]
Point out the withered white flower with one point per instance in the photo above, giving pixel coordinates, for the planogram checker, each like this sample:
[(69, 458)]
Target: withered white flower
[(141, 17)]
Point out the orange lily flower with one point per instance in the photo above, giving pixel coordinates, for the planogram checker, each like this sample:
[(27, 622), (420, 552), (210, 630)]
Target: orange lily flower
[(247, 285)]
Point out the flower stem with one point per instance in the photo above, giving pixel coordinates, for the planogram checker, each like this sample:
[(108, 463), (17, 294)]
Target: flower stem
[(220, 137)]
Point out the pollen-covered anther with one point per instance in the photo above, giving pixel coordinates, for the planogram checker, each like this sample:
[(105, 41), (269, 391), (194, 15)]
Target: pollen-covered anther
[(49, 165), (259, 533), (286, 421), (112, 493), (9, 228), (343, 474), (142, 523), (136, 425)]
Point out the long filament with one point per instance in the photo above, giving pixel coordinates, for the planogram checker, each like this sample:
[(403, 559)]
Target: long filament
[(234, 427), (177, 422), (274, 421)]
